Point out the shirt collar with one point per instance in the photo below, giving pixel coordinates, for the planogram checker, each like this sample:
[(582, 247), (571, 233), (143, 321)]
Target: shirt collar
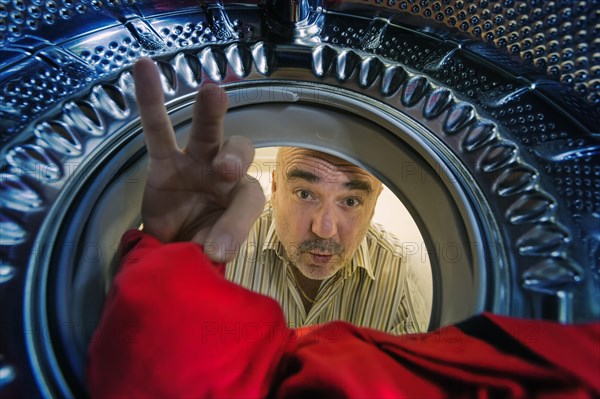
[(360, 259), (272, 240)]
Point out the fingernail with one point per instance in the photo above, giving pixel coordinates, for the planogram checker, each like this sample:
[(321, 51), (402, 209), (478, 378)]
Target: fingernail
[(231, 159)]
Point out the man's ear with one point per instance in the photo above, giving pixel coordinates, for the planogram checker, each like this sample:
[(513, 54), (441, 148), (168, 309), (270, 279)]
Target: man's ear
[(273, 182), (380, 190)]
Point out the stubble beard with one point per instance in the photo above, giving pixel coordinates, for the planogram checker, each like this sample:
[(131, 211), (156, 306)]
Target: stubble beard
[(307, 267)]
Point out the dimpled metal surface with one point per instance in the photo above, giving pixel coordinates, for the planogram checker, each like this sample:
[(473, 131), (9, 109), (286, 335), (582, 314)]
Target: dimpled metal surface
[(512, 87)]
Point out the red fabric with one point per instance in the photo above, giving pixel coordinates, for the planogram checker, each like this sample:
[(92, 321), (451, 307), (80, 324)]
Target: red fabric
[(174, 327)]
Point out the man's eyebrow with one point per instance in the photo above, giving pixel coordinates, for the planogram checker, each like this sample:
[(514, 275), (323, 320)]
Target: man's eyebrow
[(355, 184), (358, 184), (296, 173)]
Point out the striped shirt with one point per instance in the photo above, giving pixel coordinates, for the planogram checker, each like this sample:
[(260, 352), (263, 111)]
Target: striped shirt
[(377, 289)]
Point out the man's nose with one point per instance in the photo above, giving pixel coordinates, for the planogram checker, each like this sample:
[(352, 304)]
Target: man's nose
[(324, 222)]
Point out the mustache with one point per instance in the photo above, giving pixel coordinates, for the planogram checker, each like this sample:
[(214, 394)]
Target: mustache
[(330, 246)]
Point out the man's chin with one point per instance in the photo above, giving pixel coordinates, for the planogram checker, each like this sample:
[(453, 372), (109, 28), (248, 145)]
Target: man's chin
[(318, 271)]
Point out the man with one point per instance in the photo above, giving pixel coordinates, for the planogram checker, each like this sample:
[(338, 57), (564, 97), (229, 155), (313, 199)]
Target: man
[(315, 251)]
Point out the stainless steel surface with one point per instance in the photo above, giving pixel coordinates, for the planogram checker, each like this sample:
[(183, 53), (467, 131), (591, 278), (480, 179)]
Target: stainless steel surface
[(297, 19), (483, 117)]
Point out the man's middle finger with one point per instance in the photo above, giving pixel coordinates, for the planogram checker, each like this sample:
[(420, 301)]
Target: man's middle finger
[(206, 133)]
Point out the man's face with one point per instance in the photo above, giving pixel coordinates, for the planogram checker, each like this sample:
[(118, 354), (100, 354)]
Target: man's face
[(323, 206)]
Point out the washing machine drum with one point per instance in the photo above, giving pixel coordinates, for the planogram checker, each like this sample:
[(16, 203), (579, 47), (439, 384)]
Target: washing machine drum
[(482, 117)]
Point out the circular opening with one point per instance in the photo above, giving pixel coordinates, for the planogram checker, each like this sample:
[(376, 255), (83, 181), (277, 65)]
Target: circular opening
[(390, 214), (67, 287)]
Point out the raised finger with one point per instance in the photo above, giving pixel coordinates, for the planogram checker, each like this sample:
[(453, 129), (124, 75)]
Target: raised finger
[(232, 228), (206, 134), (234, 158), (158, 131)]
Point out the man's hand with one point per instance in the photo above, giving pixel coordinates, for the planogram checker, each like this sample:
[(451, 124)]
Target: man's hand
[(200, 193)]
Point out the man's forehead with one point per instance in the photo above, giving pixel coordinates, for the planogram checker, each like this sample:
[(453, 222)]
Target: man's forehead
[(321, 163)]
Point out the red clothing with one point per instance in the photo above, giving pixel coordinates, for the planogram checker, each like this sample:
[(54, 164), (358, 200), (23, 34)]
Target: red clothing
[(174, 327)]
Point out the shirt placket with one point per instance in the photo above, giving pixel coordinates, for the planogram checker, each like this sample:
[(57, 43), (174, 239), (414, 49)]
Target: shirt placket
[(294, 291), (326, 294)]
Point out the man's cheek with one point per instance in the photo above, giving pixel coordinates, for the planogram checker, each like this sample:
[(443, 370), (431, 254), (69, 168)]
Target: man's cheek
[(299, 217)]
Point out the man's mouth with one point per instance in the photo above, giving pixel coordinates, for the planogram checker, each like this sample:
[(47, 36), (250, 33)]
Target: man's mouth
[(321, 258)]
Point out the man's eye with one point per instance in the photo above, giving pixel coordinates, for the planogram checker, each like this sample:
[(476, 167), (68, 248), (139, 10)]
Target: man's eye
[(352, 202), (303, 194)]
